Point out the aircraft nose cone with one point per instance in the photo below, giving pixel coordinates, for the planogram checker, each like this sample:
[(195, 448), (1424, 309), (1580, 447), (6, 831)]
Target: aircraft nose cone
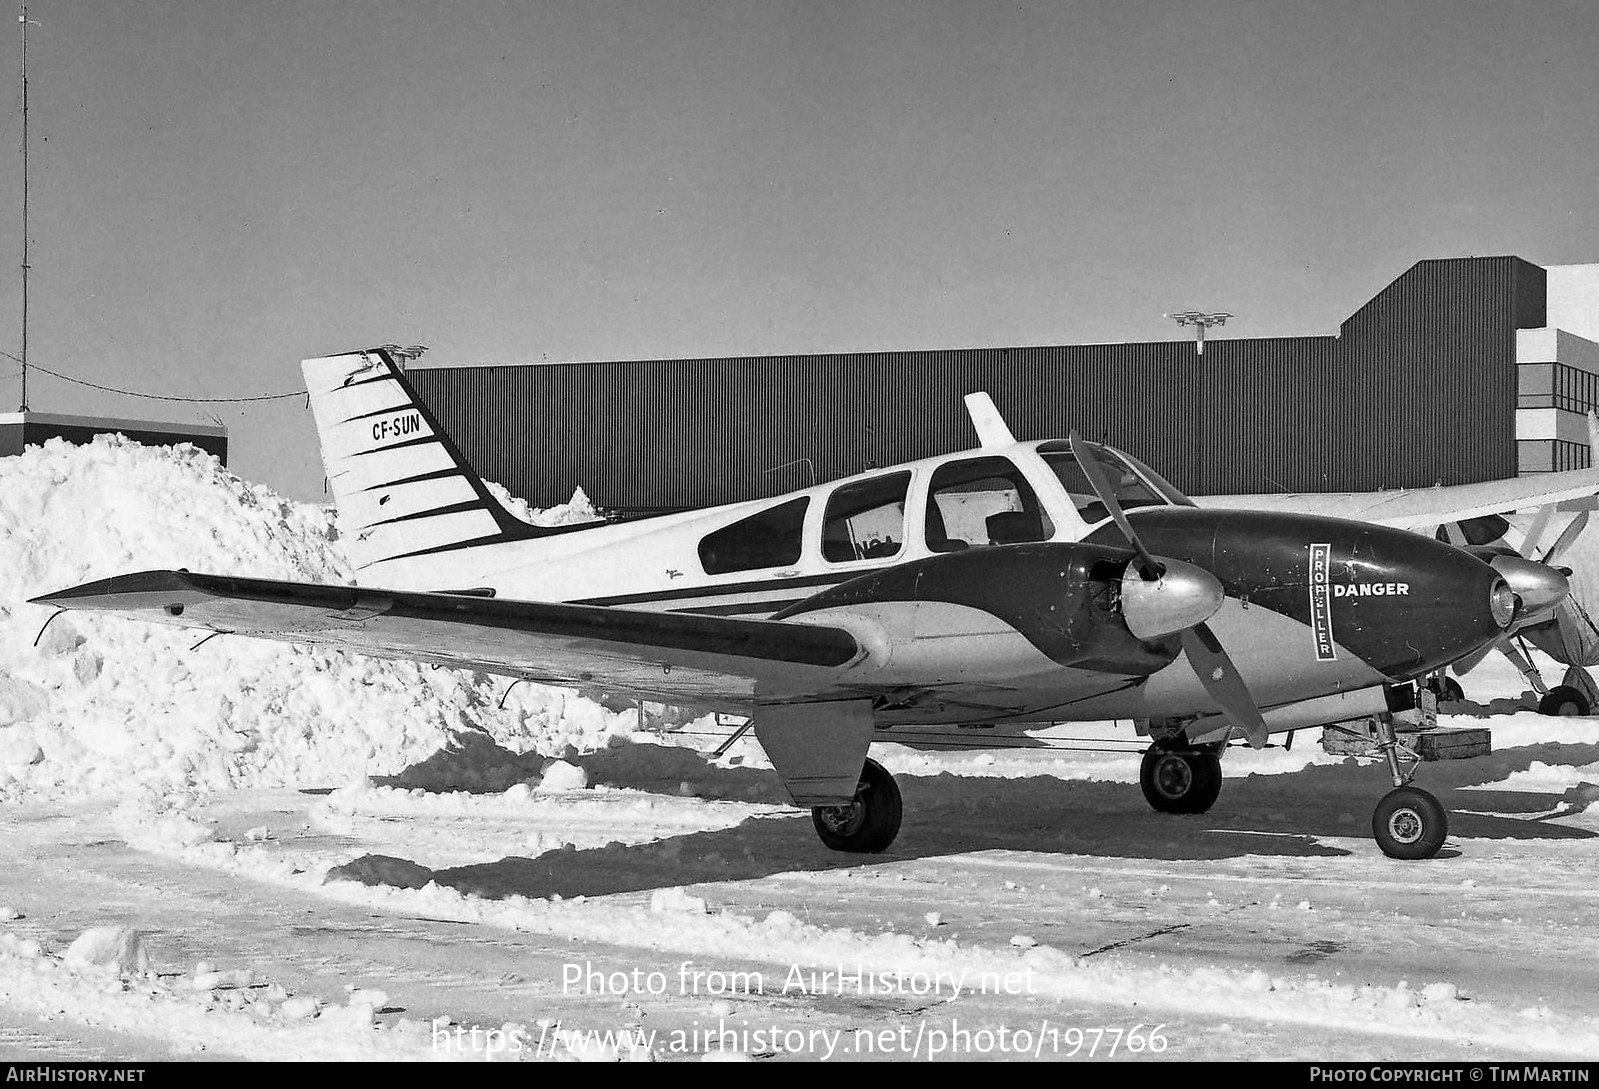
[(1182, 597), (1539, 586)]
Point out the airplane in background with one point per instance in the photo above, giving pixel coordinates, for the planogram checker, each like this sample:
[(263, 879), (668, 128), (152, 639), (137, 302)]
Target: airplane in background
[(1014, 585)]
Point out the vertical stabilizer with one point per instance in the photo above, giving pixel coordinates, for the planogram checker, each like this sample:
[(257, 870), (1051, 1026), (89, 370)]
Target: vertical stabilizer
[(407, 499)]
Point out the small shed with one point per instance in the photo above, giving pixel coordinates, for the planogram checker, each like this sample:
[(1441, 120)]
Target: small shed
[(20, 429)]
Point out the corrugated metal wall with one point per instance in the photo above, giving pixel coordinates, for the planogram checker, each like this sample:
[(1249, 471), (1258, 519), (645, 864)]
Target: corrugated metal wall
[(1418, 387)]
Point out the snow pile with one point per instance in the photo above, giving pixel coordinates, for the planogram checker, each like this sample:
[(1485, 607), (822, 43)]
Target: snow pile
[(106, 704), (577, 509), (116, 949)]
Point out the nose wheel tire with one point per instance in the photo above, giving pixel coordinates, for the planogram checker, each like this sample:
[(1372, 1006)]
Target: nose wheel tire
[(1564, 700), (869, 823), (1446, 689), (1180, 781), (1409, 823)]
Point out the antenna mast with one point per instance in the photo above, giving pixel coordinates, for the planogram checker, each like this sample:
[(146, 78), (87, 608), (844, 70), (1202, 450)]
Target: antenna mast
[(25, 21)]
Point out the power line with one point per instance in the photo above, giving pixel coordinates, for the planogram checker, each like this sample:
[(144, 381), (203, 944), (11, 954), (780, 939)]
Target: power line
[(157, 396)]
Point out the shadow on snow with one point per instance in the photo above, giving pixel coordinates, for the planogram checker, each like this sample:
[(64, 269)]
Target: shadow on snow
[(1261, 815)]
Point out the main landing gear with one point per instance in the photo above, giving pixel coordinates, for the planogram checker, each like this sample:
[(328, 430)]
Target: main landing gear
[(1564, 700), (1181, 780), (1575, 695), (869, 823), (1408, 823)]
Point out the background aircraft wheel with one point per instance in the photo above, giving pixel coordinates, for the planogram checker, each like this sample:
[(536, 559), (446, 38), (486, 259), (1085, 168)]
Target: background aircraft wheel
[(870, 822), (1446, 689), (1175, 781), (1409, 823), (1563, 700)]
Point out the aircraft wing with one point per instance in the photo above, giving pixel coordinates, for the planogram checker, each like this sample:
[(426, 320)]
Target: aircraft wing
[(674, 657), (1424, 508)]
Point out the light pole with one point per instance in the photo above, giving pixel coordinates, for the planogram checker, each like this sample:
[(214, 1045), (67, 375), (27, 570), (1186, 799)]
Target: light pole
[(1200, 320)]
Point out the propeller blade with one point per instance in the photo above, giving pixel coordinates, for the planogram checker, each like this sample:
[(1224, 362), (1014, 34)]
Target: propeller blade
[(1517, 658), (1150, 568), (1577, 613), (1566, 539), (1475, 658), (1535, 532), (1222, 681), (1210, 662)]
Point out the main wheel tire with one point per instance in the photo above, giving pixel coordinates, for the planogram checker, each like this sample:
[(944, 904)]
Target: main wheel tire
[(1409, 823), (1564, 700), (1179, 781), (869, 823)]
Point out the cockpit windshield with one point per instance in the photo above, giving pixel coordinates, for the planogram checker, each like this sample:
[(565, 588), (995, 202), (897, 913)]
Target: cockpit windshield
[(1136, 484)]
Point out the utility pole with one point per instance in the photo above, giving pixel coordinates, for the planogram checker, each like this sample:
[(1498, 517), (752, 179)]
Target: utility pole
[(1200, 320), (26, 22)]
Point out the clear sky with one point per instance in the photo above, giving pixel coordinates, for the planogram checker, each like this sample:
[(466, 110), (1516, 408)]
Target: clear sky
[(221, 187)]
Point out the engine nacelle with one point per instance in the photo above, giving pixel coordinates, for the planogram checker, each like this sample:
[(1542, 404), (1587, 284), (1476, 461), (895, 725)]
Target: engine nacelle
[(1013, 611)]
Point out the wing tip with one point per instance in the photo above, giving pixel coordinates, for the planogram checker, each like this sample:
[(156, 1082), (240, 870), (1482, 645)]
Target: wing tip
[(119, 586)]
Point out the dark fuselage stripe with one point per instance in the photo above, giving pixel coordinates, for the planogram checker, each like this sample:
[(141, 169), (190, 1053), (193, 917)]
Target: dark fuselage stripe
[(689, 592), (742, 608)]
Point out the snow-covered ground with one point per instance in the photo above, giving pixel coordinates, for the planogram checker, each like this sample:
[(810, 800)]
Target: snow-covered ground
[(249, 850)]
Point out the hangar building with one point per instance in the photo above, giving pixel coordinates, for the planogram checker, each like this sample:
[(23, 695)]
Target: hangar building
[(1462, 369)]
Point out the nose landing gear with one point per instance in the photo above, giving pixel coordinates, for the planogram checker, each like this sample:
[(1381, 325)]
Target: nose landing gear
[(1408, 822)]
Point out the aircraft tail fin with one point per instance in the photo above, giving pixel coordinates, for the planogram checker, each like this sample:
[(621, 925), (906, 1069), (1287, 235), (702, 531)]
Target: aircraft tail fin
[(406, 496)]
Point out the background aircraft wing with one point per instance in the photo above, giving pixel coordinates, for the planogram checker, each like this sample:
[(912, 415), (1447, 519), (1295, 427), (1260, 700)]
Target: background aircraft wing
[(1425, 508), (684, 658)]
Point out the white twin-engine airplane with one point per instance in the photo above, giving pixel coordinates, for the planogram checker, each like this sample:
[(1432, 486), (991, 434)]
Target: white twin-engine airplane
[(1015, 585)]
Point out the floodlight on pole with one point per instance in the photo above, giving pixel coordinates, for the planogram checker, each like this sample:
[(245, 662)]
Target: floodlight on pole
[(1201, 321)]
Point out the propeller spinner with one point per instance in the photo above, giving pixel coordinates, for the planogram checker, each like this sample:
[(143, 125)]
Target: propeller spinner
[(1190, 597)]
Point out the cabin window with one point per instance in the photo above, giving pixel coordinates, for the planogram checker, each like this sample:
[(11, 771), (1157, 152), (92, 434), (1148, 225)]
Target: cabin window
[(866, 520), (1476, 531), (983, 501), (771, 538)]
